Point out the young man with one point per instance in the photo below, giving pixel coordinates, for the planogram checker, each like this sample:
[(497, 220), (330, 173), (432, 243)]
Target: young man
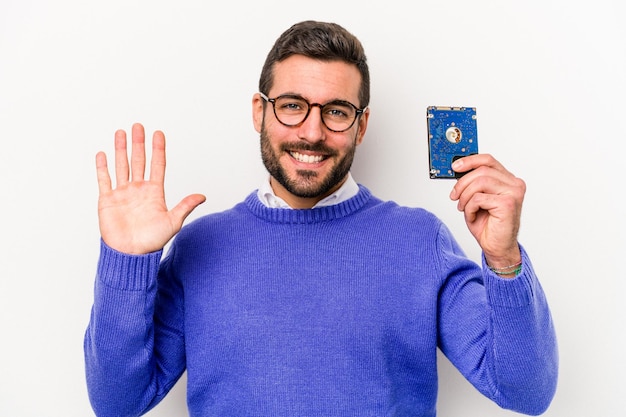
[(312, 297)]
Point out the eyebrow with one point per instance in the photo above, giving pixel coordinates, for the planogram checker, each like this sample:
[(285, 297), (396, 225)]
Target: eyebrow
[(333, 100)]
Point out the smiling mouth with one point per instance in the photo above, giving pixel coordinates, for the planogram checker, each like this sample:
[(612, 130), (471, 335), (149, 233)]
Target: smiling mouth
[(307, 159)]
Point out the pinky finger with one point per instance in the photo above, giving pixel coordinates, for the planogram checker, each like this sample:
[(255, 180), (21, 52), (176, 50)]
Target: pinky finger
[(102, 173)]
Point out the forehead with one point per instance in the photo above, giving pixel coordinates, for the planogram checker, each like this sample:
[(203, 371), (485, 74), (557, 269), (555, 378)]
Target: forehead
[(316, 80)]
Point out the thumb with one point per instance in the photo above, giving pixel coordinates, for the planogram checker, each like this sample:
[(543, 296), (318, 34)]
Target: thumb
[(186, 206)]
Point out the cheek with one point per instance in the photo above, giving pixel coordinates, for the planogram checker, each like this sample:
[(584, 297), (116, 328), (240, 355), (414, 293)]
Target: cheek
[(278, 135), (351, 141), (270, 140)]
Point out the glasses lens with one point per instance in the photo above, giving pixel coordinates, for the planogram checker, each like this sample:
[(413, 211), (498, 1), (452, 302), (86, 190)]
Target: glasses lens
[(338, 115), (291, 110)]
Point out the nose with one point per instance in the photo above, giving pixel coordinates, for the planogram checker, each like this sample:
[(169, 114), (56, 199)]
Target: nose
[(312, 128)]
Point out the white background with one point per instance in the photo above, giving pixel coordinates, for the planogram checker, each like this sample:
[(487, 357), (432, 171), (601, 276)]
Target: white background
[(546, 77)]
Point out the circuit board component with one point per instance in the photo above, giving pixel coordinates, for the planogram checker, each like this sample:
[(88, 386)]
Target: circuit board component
[(452, 134)]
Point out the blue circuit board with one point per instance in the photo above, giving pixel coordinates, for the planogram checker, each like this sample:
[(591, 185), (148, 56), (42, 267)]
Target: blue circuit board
[(452, 134)]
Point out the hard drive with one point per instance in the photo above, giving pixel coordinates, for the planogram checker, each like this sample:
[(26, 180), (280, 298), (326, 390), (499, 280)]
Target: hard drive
[(452, 134)]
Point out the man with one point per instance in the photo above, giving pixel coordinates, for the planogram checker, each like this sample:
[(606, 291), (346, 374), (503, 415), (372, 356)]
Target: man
[(312, 297)]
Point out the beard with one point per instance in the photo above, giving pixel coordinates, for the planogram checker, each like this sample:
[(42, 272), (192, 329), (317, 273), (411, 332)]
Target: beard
[(305, 183)]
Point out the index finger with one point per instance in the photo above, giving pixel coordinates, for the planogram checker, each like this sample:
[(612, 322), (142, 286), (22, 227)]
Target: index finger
[(484, 174), (157, 164)]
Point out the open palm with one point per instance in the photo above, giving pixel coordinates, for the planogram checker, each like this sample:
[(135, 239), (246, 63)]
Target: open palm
[(133, 216)]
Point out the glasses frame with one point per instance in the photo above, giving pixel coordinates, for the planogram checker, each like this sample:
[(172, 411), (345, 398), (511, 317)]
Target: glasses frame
[(357, 112)]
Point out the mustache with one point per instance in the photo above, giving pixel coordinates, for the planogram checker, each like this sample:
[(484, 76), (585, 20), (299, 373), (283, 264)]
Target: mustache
[(318, 147)]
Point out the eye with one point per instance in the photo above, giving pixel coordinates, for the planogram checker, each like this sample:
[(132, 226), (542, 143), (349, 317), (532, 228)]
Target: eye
[(291, 104), (339, 110)]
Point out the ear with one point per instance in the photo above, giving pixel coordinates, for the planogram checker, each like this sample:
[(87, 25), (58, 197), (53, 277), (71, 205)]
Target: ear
[(362, 126), (257, 111)]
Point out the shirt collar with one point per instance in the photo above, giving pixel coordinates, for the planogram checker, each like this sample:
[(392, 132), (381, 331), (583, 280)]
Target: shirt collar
[(347, 190)]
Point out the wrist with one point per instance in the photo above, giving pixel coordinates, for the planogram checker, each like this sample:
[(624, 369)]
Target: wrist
[(503, 258), (507, 265), (508, 271)]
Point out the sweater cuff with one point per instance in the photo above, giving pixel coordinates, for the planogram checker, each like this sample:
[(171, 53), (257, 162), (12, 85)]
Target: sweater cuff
[(511, 292), (123, 271)]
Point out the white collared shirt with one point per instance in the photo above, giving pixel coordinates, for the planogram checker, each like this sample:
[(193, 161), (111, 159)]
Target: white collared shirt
[(347, 190)]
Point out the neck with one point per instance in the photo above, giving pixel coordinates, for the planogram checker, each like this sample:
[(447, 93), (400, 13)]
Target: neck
[(297, 202)]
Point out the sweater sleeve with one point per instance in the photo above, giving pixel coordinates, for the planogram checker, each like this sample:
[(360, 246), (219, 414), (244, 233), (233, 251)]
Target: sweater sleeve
[(132, 355), (498, 332)]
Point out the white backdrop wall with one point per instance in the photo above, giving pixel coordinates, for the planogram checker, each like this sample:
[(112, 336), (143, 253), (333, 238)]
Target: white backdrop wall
[(546, 77)]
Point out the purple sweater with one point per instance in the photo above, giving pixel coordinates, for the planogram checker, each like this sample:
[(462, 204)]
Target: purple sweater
[(332, 311)]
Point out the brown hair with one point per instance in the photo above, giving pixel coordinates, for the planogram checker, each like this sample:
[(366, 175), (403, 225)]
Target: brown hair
[(319, 40)]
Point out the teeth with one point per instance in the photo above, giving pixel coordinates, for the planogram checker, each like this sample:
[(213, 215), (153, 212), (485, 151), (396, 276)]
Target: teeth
[(309, 159)]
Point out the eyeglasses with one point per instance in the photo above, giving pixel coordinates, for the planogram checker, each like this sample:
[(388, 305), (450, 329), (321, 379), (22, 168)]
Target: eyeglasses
[(292, 110)]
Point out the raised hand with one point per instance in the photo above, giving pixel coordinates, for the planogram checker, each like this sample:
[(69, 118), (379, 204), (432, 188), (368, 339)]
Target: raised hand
[(491, 199), (133, 216)]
